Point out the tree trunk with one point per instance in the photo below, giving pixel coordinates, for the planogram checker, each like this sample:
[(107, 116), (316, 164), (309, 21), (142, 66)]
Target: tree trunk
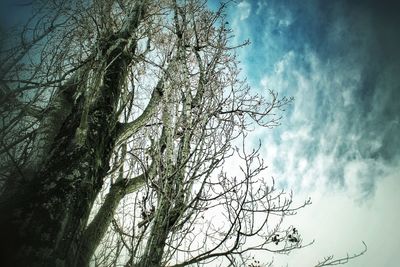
[(164, 219), (159, 233), (98, 227), (95, 231), (44, 221)]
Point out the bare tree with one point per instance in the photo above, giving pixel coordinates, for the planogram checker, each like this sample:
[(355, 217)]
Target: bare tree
[(118, 119)]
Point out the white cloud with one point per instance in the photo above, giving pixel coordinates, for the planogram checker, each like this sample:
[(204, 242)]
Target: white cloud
[(312, 150), (319, 128), (261, 5), (333, 144), (244, 9)]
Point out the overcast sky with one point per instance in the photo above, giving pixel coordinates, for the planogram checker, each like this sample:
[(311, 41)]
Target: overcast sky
[(339, 141)]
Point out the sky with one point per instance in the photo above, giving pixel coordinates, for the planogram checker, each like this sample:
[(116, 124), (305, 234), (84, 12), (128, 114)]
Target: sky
[(339, 140)]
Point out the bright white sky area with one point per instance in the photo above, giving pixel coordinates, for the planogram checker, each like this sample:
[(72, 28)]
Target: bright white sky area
[(339, 141)]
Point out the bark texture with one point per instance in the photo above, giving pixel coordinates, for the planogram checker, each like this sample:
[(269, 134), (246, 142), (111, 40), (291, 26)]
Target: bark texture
[(43, 218)]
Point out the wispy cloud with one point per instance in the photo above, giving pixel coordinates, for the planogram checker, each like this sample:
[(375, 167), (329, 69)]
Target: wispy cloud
[(326, 137), (343, 120), (338, 142), (244, 9)]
